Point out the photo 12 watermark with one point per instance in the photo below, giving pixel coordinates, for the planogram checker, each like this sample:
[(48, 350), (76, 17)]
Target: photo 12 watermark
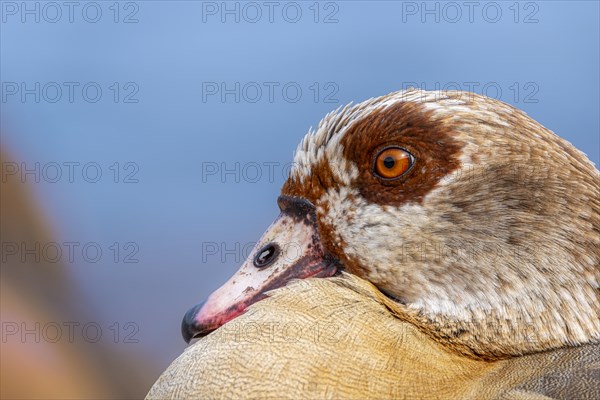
[(70, 252), (246, 172), (70, 172), (68, 332), (269, 92), (70, 92), (272, 332), (518, 173), (70, 12), (513, 92), (254, 12), (452, 12), (223, 252), (438, 252)]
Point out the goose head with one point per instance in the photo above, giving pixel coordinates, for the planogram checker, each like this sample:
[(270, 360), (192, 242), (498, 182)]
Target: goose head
[(479, 222)]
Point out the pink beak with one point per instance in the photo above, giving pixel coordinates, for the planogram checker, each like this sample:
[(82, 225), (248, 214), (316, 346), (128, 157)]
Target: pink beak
[(290, 249)]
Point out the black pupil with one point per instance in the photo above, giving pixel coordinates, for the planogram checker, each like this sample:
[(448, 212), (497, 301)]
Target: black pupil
[(265, 256), (389, 162)]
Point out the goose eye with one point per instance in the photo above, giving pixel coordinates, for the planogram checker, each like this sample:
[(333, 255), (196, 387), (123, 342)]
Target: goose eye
[(392, 162)]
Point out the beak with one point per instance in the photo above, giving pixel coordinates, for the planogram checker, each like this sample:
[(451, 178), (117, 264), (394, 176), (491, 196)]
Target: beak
[(290, 249)]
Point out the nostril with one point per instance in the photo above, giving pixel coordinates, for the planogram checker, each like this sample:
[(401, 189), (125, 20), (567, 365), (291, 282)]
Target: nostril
[(265, 256)]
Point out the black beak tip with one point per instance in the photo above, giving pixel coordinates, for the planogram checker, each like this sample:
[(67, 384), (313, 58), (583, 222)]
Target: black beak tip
[(189, 326)]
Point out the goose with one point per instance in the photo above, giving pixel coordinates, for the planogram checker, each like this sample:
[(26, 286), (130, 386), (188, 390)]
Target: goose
[(482, 223), (478, 223)]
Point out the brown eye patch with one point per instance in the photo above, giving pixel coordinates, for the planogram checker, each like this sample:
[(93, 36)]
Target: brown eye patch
[(428, 138), (392, 162)]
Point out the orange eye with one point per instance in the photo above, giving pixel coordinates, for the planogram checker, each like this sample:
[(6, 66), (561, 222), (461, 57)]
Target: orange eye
[(393, 162)]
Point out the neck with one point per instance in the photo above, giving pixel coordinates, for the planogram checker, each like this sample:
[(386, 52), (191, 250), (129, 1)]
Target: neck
[(488, 325)]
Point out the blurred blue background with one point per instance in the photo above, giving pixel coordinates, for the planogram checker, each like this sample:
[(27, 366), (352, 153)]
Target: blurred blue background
[(191, 111)]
